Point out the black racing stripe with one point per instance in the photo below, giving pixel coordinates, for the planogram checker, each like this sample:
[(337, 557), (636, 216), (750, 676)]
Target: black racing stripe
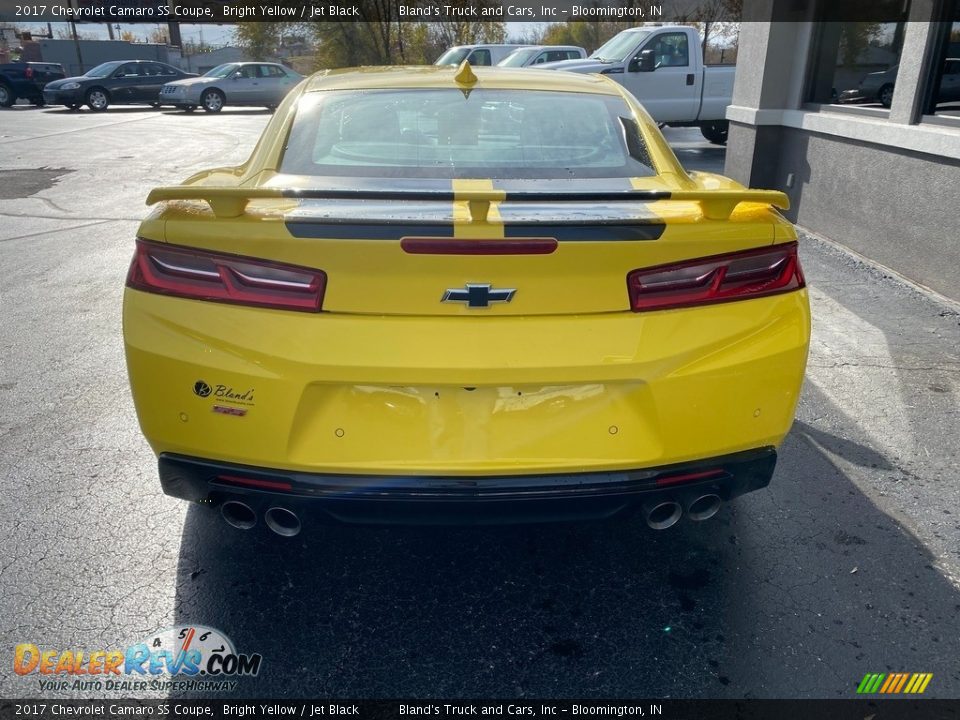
[(599, 232), (593, 232), (447, 196), (367, 230)]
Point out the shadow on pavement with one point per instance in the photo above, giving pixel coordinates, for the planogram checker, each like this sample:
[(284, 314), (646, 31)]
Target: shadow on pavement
[(795, 591)]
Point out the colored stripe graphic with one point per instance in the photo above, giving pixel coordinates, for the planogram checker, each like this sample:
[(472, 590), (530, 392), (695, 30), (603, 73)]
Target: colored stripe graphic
[(893, 683), (903, 681)]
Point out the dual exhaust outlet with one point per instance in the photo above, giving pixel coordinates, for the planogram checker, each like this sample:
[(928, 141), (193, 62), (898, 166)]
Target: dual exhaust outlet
[(665, 514), (659, 515), (243, 517)]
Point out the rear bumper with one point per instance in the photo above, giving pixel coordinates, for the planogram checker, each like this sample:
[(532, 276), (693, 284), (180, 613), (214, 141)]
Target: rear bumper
[(438, 500), (475, 397)]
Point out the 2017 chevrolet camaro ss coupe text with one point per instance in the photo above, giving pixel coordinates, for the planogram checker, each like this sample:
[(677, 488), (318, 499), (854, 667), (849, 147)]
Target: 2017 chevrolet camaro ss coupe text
[(440, 294)]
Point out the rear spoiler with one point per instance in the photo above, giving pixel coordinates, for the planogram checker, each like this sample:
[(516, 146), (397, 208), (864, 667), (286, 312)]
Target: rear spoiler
[(228, 202)]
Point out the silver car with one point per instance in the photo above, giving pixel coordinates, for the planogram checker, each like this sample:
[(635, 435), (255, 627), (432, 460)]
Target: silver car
[(245, 83), (538, 54)]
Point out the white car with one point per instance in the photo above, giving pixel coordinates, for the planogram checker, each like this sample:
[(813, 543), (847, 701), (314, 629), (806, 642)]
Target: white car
[(244, 83), (539, 54), (476, 54)]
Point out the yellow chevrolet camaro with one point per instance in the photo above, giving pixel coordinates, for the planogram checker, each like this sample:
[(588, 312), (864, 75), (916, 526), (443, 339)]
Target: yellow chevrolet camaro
[(440, 294)]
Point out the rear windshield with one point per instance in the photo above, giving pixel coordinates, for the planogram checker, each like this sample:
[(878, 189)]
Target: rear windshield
[(449, 133)]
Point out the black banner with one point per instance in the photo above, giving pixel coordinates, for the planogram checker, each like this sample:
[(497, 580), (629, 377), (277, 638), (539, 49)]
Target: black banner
[(875, 709), (634, 11)]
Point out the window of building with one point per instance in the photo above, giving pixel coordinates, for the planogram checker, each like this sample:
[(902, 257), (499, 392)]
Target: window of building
[(943, 73), (856, 63)]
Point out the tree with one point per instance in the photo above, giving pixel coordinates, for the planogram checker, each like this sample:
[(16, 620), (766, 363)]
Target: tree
[(855, 38), (259, 40)]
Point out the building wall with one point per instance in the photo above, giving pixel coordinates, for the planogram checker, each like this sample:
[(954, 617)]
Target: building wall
[(884, 183), (94, 52), (201, 62), (896, 207)]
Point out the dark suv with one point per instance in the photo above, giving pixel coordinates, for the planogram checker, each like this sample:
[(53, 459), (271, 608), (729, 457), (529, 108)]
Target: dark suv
[(26, 80)]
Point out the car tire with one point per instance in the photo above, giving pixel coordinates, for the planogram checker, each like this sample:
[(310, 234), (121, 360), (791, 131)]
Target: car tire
[(155, 106), (212, 101), (271, 108), (189, 108), (885, 95), (716, 131), (7, 98), (98, 99), (73, 106), (38, 102)]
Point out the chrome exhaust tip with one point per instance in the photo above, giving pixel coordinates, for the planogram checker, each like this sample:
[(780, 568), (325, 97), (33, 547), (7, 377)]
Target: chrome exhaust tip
[(662, 515), (238, 514), (704, 507), (282, 521)]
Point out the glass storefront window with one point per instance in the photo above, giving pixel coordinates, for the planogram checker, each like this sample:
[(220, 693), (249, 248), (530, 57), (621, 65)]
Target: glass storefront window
[(856, 63), (944, 71)]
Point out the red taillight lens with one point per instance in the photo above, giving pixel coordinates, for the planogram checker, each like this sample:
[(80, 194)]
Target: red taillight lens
[(28, 73), (720, 278), (202, 275)]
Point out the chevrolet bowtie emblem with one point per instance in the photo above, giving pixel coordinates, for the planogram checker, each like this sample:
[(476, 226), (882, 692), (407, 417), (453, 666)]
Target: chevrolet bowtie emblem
[(478, 296)]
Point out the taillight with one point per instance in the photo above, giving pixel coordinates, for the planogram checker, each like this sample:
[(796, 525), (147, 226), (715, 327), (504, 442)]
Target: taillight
[(719, 278), (202, 275), (28, 73)]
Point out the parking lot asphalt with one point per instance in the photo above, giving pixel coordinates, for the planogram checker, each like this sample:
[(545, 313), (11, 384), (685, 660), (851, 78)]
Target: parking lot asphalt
[(848, 563)]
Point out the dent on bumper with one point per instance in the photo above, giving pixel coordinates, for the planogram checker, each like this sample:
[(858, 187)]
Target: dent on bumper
[(432, 500)]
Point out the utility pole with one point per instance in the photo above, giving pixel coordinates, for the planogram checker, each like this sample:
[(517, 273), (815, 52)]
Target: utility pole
[(173, 30), (76, 40)]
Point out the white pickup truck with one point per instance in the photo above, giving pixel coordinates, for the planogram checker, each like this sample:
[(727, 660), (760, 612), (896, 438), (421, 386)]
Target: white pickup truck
[(663, 67)]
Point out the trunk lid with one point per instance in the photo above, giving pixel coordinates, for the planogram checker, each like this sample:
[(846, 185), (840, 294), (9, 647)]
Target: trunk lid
[(471, 247)]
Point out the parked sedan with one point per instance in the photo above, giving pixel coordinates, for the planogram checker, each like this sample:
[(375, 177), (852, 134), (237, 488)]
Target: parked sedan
[(441, 294), (878, 86), (539, 54), (120, 82), (247, 83)]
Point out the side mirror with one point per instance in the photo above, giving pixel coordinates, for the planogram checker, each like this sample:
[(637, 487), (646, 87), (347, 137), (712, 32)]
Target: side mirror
[(646, 61)]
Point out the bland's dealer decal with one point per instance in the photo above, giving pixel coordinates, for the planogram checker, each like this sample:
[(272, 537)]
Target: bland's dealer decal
[(237, 401), (191, 652)]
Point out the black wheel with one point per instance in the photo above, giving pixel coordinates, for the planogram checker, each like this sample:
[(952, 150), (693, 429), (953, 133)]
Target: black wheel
[(886, 95), (212, 101), (716, 131), (72, 106), (7, 98), (189, 108), (98, 99), (38, 102), (155, 106)]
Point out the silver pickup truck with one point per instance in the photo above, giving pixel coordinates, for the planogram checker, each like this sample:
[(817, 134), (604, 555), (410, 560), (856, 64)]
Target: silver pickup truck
[(663, 67)]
